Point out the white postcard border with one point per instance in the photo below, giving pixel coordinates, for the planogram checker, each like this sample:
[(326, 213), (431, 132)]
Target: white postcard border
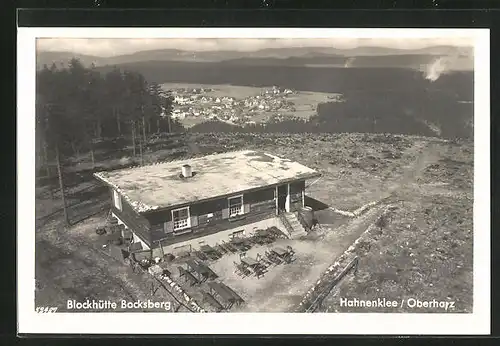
[(29, 321)]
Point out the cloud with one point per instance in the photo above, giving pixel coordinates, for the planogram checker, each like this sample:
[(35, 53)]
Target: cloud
[(116, 46)]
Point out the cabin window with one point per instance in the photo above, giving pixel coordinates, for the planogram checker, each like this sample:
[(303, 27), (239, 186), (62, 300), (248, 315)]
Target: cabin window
[(117, 200), (235, 206), (181, 219)]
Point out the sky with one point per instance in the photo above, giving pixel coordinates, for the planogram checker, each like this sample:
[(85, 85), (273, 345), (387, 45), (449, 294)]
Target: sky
[(111, 47)]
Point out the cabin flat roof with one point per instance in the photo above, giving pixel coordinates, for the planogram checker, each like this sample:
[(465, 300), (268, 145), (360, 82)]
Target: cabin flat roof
[(160, 185)]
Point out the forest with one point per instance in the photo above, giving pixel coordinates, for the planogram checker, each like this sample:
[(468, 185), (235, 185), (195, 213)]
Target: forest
[(80, 111), (77, 108)]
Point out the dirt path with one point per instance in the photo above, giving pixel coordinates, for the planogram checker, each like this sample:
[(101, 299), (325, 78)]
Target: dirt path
[(427, 154), (391, 190)]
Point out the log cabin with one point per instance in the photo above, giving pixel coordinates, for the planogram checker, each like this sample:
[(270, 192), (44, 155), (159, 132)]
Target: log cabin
[(170, 203)]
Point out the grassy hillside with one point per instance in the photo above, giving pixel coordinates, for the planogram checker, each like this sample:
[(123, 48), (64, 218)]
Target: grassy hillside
[(424, 251)]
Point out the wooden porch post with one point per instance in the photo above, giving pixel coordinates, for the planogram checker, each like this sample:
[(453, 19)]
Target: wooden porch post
[(276, 199), (162, 251), (287, 201)]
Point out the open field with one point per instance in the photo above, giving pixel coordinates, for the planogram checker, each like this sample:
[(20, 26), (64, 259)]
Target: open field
[(241, 92), (424, 252), (238, 92), (305, 102)]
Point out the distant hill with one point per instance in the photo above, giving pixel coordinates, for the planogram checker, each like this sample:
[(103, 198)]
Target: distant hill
[(62, 59), (410, 61), (272, 55), (434, 50)]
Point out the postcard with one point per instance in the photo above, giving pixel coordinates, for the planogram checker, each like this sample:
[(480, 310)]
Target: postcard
[(253, 181)]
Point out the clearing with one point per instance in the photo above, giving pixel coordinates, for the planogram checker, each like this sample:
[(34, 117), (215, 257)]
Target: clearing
[(424, 251)]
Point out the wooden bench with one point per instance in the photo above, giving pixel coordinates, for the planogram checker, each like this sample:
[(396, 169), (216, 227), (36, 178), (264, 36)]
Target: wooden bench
[(188, 276), (236, 296), (207, 297)]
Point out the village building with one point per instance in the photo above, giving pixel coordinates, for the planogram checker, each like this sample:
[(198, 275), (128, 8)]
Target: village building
[(173, 204)]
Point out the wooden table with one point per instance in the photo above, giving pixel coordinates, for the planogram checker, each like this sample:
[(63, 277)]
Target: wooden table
[(249, 261), (280, 251), (200, 271), (209, 273), (206, 248)]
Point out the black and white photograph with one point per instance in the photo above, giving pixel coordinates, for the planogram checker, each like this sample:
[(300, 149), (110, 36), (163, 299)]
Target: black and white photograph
[(332, 176)]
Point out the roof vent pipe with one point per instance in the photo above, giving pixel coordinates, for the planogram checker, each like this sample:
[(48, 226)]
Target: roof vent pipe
[(186, 171)]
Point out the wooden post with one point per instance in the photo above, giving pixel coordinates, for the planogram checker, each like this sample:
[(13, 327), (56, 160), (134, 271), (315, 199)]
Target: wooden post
[(118, 122), (92, 153), (73, 148), (61, 185), (47, 167), (303, 198), (93, 159), (46, 157)]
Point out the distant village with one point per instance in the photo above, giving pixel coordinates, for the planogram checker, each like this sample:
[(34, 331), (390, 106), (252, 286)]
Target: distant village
[(196, 103)]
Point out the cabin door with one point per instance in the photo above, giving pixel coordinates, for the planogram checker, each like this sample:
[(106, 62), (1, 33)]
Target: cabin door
[(282, 197)]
